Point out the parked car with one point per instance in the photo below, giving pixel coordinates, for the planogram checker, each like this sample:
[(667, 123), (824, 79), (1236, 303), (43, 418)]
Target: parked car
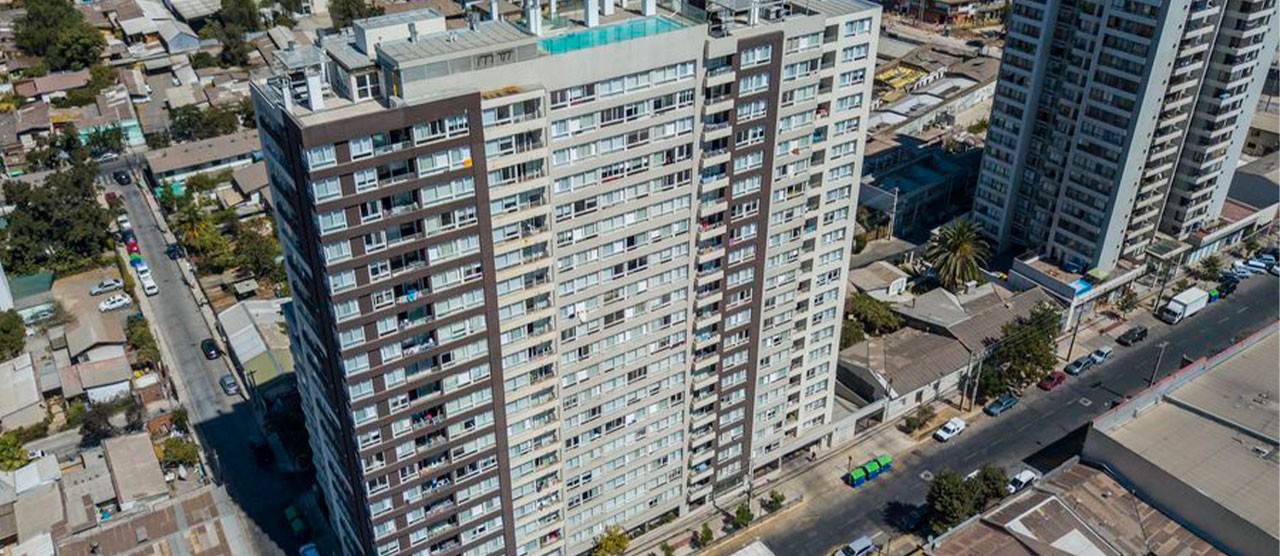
[(36, 454), (122, 177), (38, 316), (118, 301), (132, 246), (1102, 354), (1079, 366), (949, 429), (863, 546), (1267, 258), (123, 223), (149, 286), (1002, 404), (1275, 269), (210, 349), (105, 286), (1023, 479), (229, 385), (309, 549), (1054, 380), (175, 251), (1132, 336), (108, 157)]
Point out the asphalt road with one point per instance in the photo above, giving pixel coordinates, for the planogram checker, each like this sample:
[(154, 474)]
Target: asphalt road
[(1027, 436), (224, 423)]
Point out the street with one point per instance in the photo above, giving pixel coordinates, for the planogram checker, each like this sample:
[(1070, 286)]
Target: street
[(1034, 433), (225, 424)]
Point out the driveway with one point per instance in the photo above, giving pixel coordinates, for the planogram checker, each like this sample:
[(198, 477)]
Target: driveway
[(1035, 433)]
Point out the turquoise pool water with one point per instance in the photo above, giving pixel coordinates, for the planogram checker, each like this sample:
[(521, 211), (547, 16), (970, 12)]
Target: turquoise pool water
[(608, 34)]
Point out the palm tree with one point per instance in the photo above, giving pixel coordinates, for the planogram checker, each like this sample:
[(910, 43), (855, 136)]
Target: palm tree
[(191, 224), (956, 252)]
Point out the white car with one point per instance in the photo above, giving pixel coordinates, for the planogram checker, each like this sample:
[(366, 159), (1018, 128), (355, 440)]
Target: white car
[(1023, 479), (123, 223), (950, 429), (149, 286), (105, 286), (118, 301)]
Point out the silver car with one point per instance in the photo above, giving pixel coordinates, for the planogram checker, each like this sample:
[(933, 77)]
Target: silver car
[(229, 385)]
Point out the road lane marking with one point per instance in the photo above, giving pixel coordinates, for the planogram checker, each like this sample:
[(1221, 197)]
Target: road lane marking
[(1085, 402), (1223, 320), (1241, 310)]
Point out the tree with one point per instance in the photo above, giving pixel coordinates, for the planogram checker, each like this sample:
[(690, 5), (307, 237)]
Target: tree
[(12, 455), (235, 51), (55, 31), (1127, 303), (667, 549), (774, 502), (59, 226), (1027, 350), (950, 501), (851, 333), (203, 59), (179, 451), (957, 252), (158, 140), (181, 421), (343, 12), (613, 542), (105, 140), (256, 253), (1210, 267), (922, 416), (742, 516), (876, 316), (705, 536), (78, 46), (241, 13), (96, 424), (12, 334), (1251, 246), (990, 484), (138, 336), (188, 123)]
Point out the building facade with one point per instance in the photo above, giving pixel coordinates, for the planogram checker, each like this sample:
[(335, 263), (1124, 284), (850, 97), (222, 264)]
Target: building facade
[(1117, 121), (555, 275)]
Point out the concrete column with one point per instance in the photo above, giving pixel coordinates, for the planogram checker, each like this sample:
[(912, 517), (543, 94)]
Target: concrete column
[(592, 13), (607, 7), (493, 10), (649, 7)]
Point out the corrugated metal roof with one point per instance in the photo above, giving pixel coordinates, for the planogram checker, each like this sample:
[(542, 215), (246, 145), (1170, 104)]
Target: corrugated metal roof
[(486, 35)]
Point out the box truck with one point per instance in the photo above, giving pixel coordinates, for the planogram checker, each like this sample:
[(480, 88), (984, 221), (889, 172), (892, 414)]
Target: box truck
[(1184, 305)]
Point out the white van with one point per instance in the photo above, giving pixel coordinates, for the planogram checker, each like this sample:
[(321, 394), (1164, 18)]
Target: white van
[(149, 286)]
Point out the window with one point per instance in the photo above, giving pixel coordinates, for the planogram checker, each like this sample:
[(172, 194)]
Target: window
[(752, 110), (325, 189), (804, 42), (451, 126), (843, 149), (845, 126), (321, 157), (850, 102), (746, 186), (335, 252), (853, 78), (365, 179), (854, 53), (753, 83), (342, 281), (367, 86), (332, 221), (755, 56), (361, 147), (857, 27), (749, 161), (443, 161), (750, 136)]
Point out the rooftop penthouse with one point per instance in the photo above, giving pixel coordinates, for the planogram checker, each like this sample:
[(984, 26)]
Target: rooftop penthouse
[(397, 59)]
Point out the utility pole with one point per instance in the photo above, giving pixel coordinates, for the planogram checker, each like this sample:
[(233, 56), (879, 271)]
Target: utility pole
[(1159, 359), (1075, 331)]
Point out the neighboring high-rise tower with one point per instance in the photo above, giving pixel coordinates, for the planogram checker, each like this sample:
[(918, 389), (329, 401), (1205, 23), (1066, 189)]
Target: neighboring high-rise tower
[(568, 273), (1117, 119)]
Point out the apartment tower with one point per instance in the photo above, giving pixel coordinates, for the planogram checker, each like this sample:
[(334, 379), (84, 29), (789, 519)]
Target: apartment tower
[(1117, 120), (581, 269)]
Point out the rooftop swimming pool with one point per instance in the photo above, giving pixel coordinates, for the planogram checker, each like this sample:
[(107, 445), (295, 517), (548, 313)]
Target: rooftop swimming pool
[(598, 36)]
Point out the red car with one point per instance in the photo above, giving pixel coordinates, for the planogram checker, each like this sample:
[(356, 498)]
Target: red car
[(132, 246), (1055, 379)]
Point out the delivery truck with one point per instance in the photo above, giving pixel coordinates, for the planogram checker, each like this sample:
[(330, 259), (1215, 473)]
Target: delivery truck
[(1184, 305)]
